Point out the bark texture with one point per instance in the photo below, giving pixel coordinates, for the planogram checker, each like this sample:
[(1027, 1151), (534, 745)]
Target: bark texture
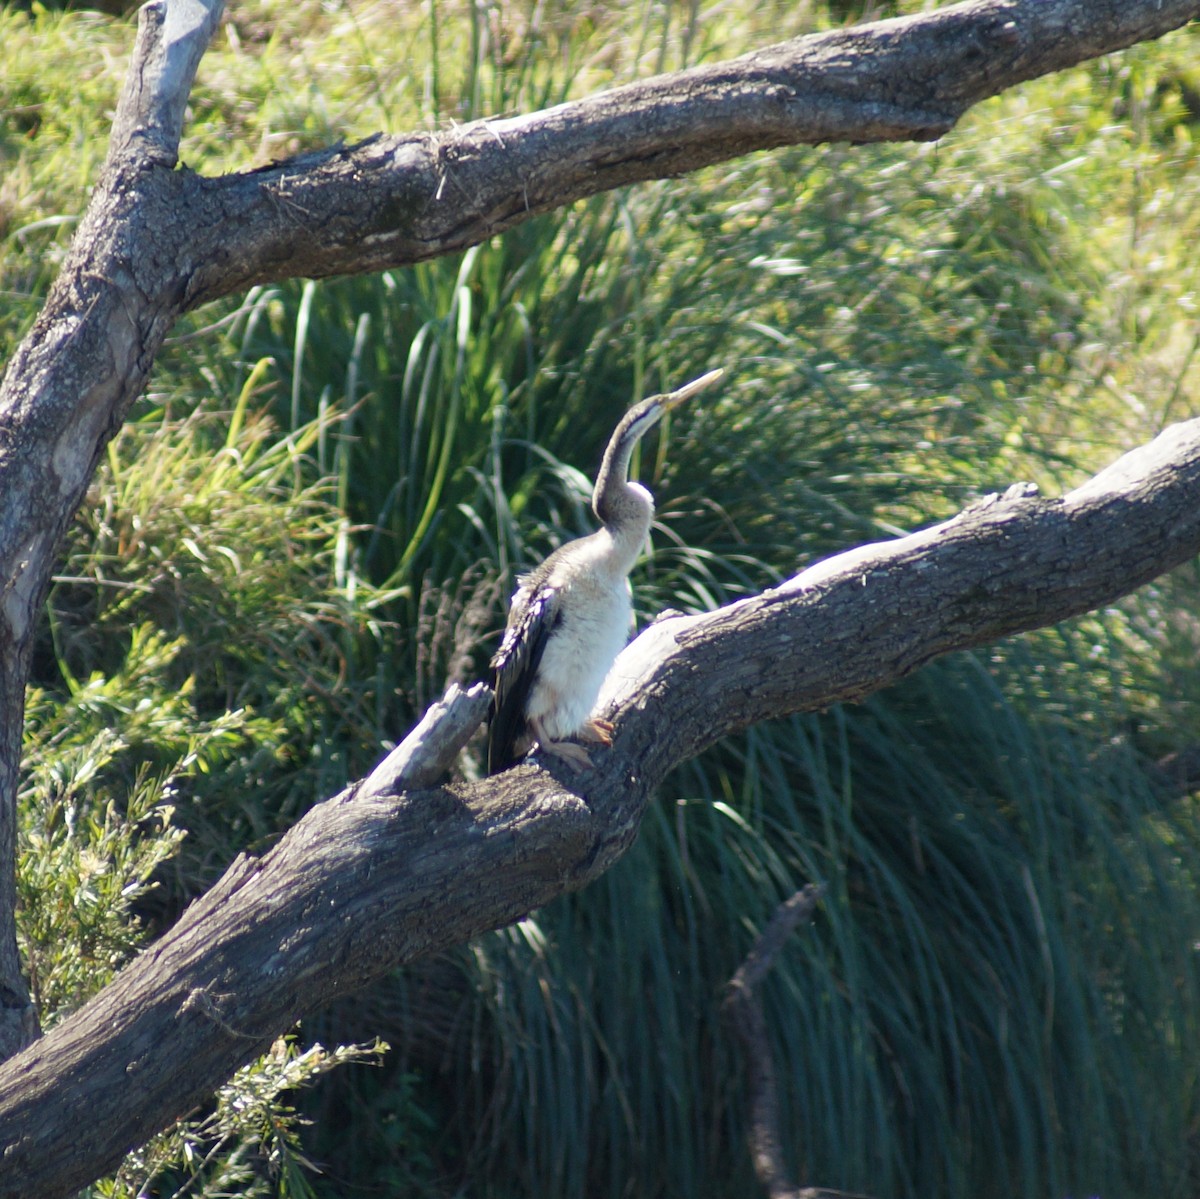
[(393, 200), (374, 878)]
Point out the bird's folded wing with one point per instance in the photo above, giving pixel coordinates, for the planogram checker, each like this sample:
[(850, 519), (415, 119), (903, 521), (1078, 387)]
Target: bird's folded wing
[(515, 668)]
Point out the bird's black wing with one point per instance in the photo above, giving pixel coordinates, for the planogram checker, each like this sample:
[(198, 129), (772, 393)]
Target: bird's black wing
[(514, 669)]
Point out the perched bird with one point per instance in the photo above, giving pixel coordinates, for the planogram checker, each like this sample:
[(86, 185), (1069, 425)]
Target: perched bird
[(571, 616)]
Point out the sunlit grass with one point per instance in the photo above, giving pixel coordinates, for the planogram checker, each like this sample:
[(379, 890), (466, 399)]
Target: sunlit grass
[(312, 523)]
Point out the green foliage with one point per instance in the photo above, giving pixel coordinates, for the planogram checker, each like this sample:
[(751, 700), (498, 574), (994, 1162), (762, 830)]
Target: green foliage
[(201, 681), (976, 1011), (95, 826), (249, 1144), (216, 532), (995, 994)]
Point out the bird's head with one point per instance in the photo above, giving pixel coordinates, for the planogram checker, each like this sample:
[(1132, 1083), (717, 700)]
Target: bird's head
[(614, 494), (645, 414)]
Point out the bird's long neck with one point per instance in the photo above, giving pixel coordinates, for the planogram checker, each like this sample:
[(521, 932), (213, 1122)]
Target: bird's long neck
[(625, 509)]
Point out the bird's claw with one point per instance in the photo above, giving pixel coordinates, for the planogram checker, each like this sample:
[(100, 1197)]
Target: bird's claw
[(594, 732), (597, 732)]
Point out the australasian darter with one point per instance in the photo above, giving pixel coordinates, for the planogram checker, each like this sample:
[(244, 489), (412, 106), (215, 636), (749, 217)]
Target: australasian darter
[(571, 616)]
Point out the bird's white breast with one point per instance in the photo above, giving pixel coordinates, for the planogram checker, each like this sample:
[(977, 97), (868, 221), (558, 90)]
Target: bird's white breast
[(596, 612)]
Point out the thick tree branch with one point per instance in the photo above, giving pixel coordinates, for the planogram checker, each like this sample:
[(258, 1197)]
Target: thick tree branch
[(837, 630), (395, 200), (66, 390), (368, 880)]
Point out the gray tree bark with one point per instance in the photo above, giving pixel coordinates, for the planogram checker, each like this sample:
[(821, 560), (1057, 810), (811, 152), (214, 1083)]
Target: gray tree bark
[(383, 875)]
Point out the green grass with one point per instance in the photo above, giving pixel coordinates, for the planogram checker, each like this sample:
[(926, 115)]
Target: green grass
[(310, 526), (969, 1014)]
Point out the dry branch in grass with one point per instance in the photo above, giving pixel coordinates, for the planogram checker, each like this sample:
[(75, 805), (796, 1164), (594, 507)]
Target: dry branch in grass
[(743, 1009)]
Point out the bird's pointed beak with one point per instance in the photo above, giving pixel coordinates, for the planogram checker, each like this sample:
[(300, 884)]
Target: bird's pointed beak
[(674, 398)]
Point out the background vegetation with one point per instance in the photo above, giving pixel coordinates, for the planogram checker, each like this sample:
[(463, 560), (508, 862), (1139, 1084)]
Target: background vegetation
[(310, 525)]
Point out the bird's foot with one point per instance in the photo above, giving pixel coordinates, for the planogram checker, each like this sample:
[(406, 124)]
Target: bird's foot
[(596, 732), (567, 751)]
